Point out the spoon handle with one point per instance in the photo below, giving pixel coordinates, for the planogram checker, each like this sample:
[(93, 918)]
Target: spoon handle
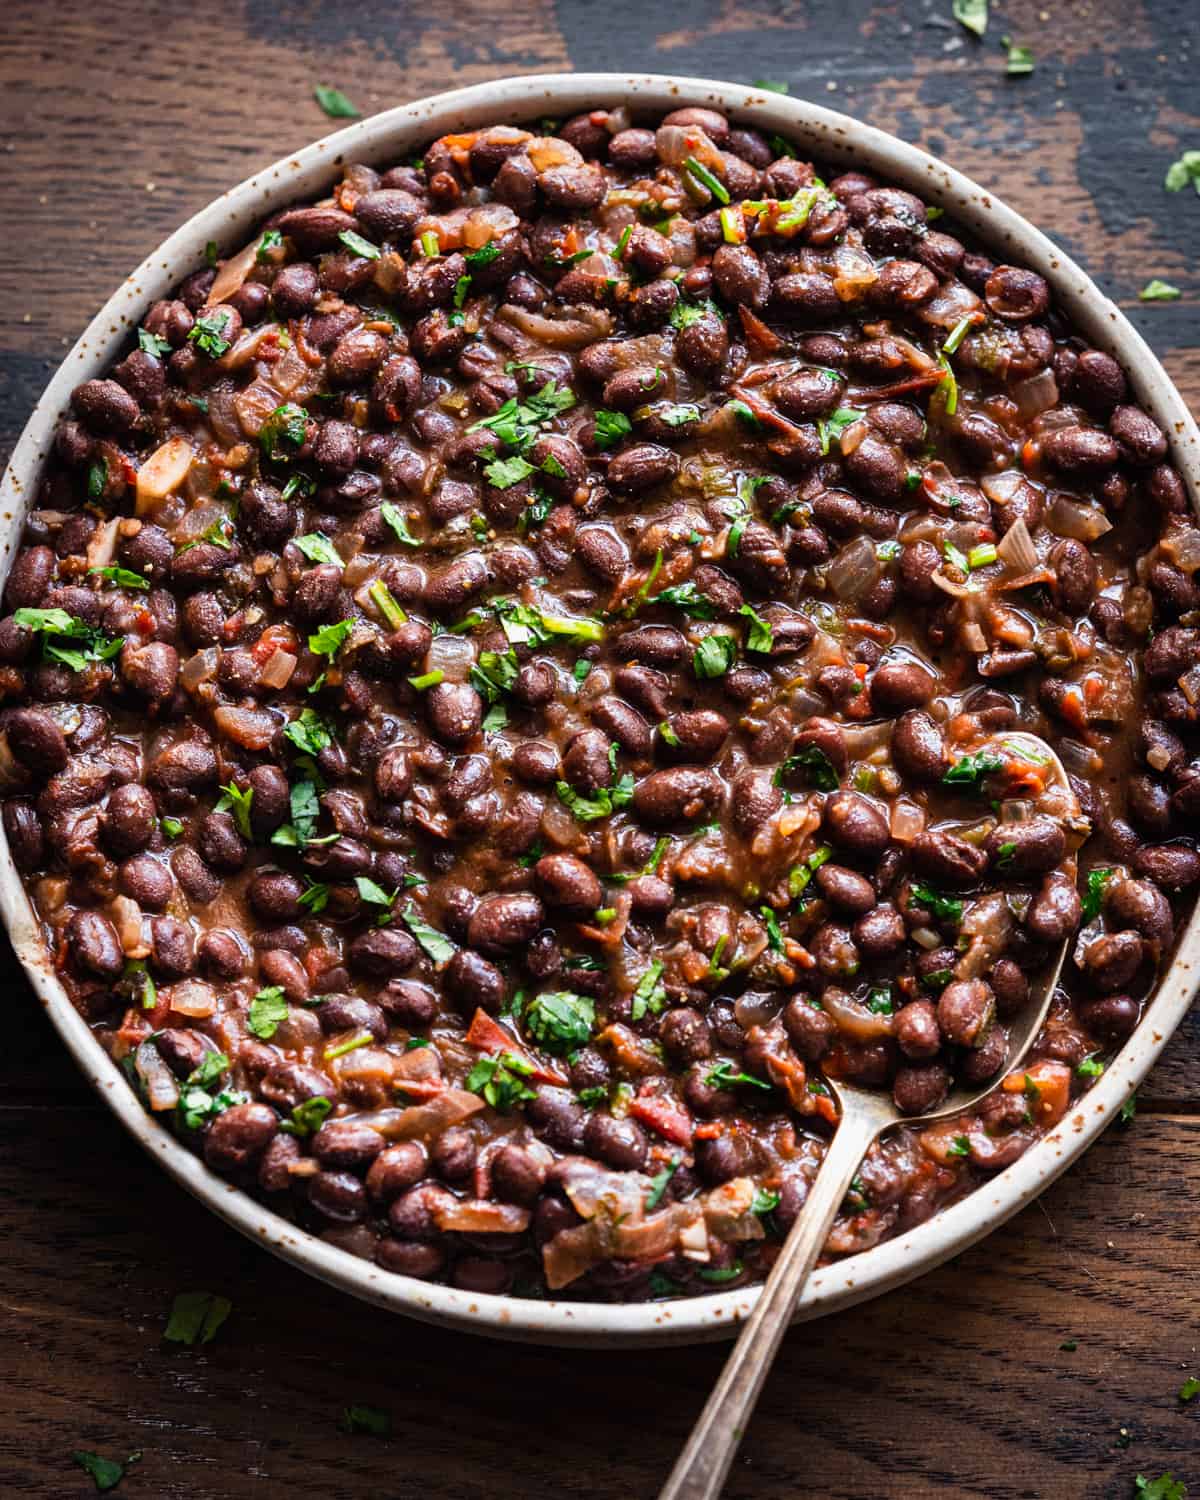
[(700, 1470)]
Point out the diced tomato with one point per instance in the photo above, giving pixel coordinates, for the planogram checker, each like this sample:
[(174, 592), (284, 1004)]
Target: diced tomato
[(1047, 1086), (663, 1114), (490, 1037)]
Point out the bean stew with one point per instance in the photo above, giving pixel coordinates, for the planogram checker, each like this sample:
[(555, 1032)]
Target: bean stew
[(494, 682)]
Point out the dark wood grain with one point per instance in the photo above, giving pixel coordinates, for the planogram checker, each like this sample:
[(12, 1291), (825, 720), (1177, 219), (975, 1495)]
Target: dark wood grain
[(116, 122)]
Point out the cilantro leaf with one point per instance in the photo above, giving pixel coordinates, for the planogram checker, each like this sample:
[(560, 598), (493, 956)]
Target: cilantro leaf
[(436, 944), (714, 656), (395, 518), (970, 770), (366, 1419), (106, 1473), (973, 14), (334, 102), (317, 547), (195, 1317), (941, 908), (610, 427), (267, 1010)]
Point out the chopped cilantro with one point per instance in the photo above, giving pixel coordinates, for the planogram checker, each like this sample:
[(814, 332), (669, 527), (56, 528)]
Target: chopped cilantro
[(649, 994), (724, 1077), (970, 770), (500, 1081), (941, 908), (560, 1020), (1159, 291), (1098, 879), (106, 1473), (124, 577), (317, 547), (208, 333), (973, 14)]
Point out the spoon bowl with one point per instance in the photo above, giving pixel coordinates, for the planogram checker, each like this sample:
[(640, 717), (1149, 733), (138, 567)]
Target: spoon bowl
[(701, 1468)]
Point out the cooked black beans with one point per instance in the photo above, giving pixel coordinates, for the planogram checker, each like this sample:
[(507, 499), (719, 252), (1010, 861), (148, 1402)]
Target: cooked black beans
[(543, 752)]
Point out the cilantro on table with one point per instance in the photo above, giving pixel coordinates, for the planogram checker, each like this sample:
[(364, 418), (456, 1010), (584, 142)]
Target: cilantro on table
[(500, 1081), (1159, 291), (1189, 1390), (267, 1010), (68, 640), (560, 1020), (1128, 1111), (366, 1419), (195, 1318), (1165, 1487), (1186, 169), (1090, 1067), (973, 14), (334, 102), (1019, 62), (106, 1473), (770, 86)]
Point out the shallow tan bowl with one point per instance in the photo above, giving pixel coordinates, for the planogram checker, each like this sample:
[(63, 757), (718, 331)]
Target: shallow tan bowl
[(385, 139)]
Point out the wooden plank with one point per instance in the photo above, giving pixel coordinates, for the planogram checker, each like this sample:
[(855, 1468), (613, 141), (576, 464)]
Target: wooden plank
[(116, 123), (941, 1387)]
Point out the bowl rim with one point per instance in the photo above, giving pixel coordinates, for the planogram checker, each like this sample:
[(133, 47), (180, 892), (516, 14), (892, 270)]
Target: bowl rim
[(831, 136)]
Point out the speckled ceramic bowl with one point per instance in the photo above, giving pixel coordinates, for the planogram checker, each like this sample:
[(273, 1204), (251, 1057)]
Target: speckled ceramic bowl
[(386, 138)]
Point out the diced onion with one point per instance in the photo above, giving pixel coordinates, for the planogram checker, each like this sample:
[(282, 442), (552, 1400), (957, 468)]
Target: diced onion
[(586, 325), (103, 545), (254, 405), (951, 304), (855, 570), (1182, 546), (232, 274), (252, 728), (853, 1017), (162, 1092), (1189, 685), (202, 667), (127, 917), (192, 997), (1074, 518), (1037, 394), (277, 669), (757, 1008), (549, 151), (925, 937), (854, 273), (468, 1217), (425, 1121), (908, 820), (1016, 549), (164, 471), (1158, 757), (1085, 762)]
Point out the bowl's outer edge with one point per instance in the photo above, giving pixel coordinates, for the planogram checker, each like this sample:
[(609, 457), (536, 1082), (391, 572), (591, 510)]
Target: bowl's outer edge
[(388, 136)]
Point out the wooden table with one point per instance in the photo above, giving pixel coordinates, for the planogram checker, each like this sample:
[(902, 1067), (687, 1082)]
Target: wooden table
[(1011, 1371)]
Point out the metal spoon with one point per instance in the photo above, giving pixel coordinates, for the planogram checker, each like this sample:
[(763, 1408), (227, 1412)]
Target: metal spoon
[(701, 1468)]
